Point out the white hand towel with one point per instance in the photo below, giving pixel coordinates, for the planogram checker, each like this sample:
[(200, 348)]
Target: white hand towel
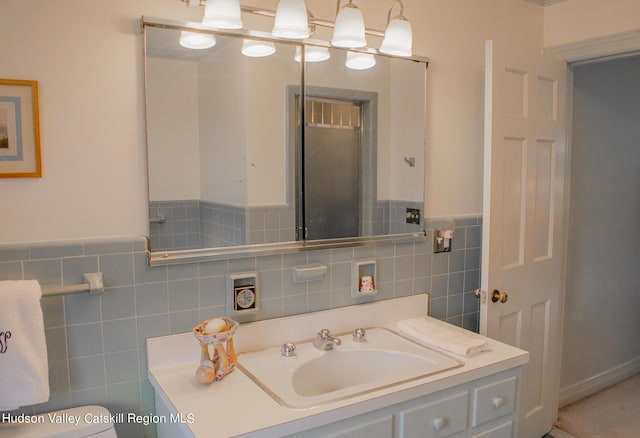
[(446, 337), (24, 371)]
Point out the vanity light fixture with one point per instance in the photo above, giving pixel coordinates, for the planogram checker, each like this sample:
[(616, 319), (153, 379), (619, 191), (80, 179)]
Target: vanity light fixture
[(257, 49), (360, 61), (313, 54), (349, 27), (223, 14), (294, 21), (291, 20), (197, 41), (398, 38)]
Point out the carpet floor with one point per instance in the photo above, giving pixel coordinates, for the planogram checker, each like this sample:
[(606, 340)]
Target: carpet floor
[(611, 413)]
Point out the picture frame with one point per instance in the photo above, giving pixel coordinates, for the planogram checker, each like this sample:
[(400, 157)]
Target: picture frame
[(20, 154)]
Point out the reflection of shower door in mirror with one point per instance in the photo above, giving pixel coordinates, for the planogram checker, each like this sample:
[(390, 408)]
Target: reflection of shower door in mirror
[(332, 173)]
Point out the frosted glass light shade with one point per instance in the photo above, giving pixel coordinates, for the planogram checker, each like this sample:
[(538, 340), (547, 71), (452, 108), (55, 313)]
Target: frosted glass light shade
[(222, 14), (398, 38), (198, 41), (291, 20), (349, 28), (360, 61), (313, 54), (257, 49)]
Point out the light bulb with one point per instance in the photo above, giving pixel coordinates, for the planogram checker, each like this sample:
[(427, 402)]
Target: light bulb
[(398, 38), (197, 41), (349, 28), (222, 14), (360, 61), (291, 20), (257, 49), (313, 54)]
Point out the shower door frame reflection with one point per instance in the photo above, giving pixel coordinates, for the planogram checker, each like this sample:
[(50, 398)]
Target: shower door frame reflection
[(333, 222)]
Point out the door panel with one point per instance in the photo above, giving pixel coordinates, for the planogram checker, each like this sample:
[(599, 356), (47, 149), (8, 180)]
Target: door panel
[(513, 200), (543, 221), (332, 183), (523, 216)]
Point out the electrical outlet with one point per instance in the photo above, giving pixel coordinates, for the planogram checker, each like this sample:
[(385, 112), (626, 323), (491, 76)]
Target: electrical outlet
[(413, 216), (442, 240)]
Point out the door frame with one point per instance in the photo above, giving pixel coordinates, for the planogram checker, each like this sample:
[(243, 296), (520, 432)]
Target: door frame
[(368, 155), (598, 382), (599, 49)]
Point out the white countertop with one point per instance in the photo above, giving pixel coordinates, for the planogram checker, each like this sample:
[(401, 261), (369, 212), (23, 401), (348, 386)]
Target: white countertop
[(236, 406)]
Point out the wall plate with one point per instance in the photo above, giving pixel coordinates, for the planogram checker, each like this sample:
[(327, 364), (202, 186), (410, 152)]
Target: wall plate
[(442, 240), (242, 294), (360, 269)]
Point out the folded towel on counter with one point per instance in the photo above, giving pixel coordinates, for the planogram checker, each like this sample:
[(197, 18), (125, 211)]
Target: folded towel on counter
[(435, 334), (24, 372)]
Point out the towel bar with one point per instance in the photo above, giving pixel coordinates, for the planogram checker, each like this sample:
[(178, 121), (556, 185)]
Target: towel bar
[(94, 285)]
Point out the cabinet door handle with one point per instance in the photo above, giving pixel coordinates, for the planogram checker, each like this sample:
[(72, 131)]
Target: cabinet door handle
[(498, 402), (440, 422)]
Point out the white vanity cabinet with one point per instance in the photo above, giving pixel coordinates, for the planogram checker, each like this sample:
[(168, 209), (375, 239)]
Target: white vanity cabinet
[(478, 399), (486, 408)]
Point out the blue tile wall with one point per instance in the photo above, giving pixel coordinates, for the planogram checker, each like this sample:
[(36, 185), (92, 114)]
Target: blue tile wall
[(175, 225), (396, 216), (96, 344), (270, 224), (178, 225)]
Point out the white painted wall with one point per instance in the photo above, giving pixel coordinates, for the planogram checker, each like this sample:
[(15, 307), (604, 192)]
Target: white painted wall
[(407, 136), (252, 131), (88, 59), (266, 82), (601, 324), (577, 20), (174, 164), (223, 133)]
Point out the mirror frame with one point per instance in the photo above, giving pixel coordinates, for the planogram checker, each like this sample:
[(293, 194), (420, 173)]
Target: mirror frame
[(162, 258)]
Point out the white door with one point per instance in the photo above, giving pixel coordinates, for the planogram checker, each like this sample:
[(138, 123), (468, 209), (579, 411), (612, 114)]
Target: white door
[(523, 233)]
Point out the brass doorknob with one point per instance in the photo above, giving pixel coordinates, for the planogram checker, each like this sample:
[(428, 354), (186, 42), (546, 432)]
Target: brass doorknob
[(499, 296)]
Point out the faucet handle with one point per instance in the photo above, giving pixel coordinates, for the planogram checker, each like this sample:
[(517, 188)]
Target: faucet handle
[(324, 334), (359, 335), (288, 349)]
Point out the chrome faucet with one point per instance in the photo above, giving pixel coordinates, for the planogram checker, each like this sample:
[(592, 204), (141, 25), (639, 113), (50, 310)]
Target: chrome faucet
[(325, 341)]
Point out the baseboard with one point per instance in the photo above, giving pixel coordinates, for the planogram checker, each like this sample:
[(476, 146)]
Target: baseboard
[(598, 382)]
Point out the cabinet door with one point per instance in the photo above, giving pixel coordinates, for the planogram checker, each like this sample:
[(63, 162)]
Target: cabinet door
[(494, 400), (380, 428), (504, 430), (364, 426), (439, 418)]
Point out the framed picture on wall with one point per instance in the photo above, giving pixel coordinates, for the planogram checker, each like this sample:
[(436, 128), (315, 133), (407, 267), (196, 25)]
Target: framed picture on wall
[(19, 129)]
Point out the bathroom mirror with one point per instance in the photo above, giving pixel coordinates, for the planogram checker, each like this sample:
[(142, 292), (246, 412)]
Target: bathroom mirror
[(364, 143), (217, 142), (234, 170)]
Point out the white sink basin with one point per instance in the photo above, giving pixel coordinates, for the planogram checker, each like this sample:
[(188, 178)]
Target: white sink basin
[(315, 377)]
